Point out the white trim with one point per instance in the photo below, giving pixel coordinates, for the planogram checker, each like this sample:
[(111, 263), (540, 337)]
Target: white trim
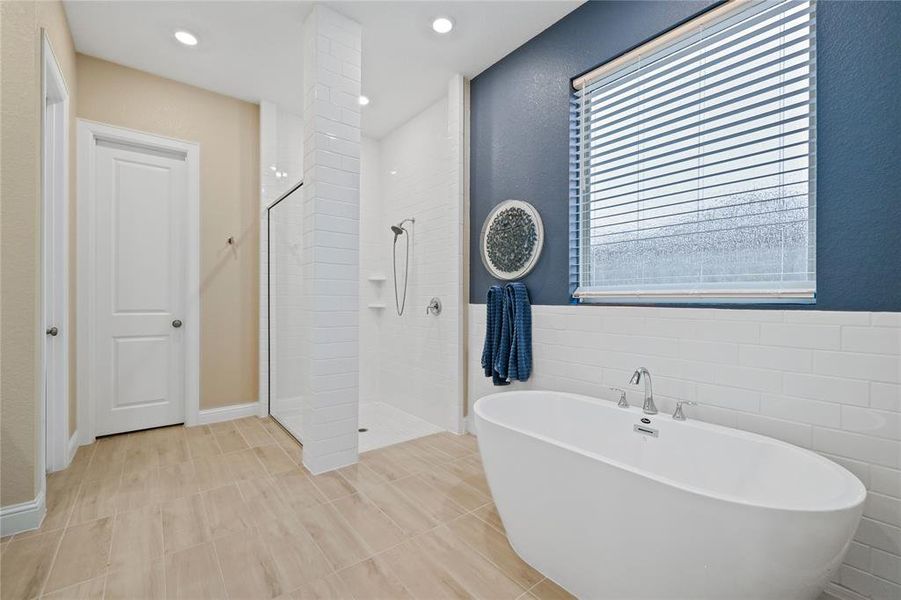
[(88, 134), (728, 294), (54, 367), (72, 448), (470, 423), (658, 42), (713, 296), (227, 413), (24, 516)]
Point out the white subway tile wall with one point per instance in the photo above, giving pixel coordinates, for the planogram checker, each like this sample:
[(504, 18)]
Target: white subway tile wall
[(827, 381), (375, 274), (330, 246)]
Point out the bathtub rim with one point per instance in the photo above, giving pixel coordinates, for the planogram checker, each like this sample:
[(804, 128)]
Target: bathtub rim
[(853, 503)]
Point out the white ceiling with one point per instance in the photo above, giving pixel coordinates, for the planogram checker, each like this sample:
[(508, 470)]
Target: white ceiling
[(252, 49)]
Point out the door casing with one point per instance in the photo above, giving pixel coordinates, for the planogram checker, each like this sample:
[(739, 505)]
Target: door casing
[(89, 133), (54, 452)]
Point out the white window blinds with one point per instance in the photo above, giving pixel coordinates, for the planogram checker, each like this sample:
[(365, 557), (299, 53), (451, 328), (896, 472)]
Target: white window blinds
[(694, 162)]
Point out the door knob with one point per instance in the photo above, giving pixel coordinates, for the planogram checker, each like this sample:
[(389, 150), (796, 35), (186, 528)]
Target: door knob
[(176, 323), (53, 331)]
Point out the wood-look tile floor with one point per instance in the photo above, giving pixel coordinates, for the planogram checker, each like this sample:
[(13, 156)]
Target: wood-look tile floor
[(228, 511)]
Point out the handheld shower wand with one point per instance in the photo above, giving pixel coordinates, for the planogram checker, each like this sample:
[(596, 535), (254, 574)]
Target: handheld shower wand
[(399, 230)]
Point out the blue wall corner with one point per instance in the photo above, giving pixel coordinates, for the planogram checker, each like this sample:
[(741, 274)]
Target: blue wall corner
[(520, 141)]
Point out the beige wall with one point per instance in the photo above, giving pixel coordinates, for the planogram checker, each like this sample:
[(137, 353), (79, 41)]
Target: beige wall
[(20, 218), (228, 133)]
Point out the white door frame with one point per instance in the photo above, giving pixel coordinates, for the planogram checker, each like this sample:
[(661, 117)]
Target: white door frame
[(54, 367), (89, 133)]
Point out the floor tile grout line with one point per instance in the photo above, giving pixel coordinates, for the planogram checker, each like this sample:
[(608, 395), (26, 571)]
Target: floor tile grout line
[(42, 588), (373, 503), (74, 585), (109, 549), (59, 542), (361, 492), (485, 521), (354, 529), (421, 534), (328, 561), (212, 542), (425, 440), (413, 536), (106, 583), (163, 548), (490, 560)]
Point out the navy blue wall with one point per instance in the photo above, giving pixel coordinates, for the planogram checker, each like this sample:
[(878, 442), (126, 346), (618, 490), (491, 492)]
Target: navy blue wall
[(520, 141)]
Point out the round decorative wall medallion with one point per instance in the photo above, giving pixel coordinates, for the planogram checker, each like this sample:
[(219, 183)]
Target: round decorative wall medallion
[(512, 237)]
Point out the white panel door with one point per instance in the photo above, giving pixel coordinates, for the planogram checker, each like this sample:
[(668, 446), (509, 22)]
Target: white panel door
[(140, 211)]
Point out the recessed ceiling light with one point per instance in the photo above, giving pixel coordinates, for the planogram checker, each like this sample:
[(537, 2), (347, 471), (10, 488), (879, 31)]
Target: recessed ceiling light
[(442, 25), (185, 37), (363, 100)]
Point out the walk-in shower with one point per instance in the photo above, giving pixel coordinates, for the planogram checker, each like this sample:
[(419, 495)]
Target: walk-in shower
[(400, 230)]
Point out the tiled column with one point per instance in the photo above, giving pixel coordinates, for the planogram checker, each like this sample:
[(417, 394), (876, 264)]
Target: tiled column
[(331, 79)]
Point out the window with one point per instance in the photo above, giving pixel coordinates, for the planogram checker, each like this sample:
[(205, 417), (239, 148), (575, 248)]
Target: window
[(694, 162)]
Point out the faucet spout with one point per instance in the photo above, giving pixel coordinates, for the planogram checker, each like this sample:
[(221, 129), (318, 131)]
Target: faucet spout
[(649, 408)]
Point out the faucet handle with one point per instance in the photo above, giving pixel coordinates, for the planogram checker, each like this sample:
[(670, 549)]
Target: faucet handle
[(623, 403), (678, 415)]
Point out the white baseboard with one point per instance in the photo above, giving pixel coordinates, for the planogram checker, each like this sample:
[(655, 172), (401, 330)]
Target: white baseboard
[(228, 413), (24, 516), (72, 448)]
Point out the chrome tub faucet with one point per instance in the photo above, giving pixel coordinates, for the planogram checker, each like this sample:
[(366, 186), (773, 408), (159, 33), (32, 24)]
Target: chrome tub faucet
[(678, 414), (649, 408)]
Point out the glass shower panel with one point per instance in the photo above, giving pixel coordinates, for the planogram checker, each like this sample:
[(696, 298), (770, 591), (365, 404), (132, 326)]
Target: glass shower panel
[(286, 328)]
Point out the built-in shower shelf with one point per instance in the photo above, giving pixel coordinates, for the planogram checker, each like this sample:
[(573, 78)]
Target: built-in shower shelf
[(376, 306), (377, 278)]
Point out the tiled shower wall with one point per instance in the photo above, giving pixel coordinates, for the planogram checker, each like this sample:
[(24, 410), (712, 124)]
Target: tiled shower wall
[(827, 381), (375, 284), (419, 356)]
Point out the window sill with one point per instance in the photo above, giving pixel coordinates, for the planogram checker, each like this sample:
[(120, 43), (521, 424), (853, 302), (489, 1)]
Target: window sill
[(712, 297)]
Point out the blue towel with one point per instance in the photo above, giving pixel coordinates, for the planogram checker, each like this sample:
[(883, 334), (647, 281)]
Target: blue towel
[(514, 357), (507, 354), (494, 321)]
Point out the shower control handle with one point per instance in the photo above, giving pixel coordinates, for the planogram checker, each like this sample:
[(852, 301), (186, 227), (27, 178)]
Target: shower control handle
[(434, 307)]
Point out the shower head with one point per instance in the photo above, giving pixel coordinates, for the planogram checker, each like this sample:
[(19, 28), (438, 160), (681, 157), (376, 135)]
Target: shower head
[(399, 229)]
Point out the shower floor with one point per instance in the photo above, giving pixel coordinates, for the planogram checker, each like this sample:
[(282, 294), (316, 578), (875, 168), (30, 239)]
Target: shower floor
[(387, 425)]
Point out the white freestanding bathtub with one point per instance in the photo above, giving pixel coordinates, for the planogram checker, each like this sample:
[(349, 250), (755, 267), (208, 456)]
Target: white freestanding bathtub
[(610, 506)]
